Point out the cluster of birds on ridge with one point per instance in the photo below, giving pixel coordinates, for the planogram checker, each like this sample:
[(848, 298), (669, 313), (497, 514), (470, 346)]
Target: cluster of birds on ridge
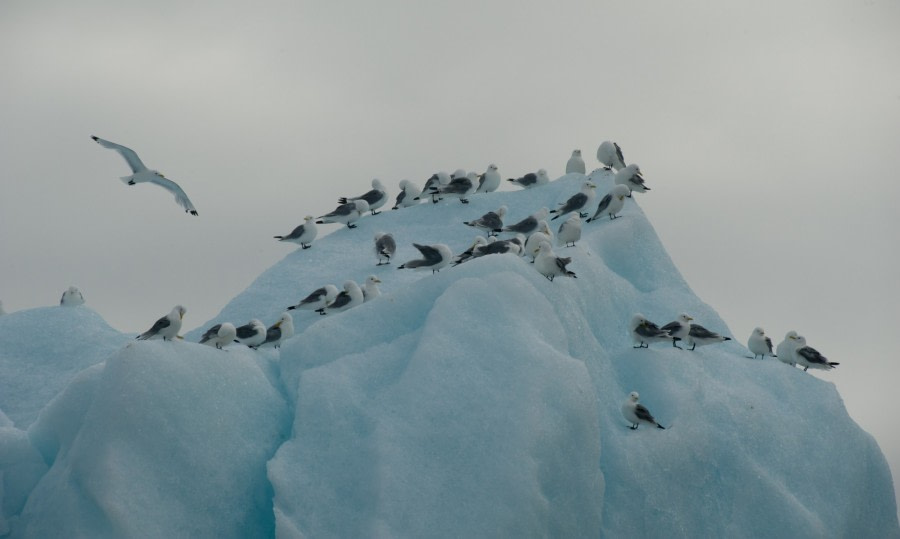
[(532, 237)]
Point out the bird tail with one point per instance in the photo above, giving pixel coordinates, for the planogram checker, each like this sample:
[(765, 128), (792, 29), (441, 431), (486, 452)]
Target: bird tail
[(292, 307), (342, 200), (571, 274), (833, 363), (279, 238), (660, 426), (127, 180)]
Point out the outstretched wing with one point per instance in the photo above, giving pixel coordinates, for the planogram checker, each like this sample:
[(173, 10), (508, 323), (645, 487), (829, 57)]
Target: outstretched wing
[(430, 254), (180, 197), (130, 157)]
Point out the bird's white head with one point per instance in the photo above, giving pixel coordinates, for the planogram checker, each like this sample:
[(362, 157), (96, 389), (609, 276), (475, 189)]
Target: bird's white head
[(180, 311), (759, 332), (492, 167), (576, 153), (684, 318), (634, 396)]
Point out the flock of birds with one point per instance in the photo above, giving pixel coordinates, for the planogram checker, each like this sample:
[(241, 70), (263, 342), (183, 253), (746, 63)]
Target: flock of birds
[(531, 237)]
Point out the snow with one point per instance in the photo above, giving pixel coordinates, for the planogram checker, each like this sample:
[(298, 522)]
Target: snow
[(480, 401)]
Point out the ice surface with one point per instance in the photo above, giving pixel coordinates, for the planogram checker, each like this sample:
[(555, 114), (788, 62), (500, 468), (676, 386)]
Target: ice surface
[(483, 401)]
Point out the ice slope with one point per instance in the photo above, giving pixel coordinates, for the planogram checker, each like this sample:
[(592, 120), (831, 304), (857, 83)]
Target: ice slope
[(480, 401)]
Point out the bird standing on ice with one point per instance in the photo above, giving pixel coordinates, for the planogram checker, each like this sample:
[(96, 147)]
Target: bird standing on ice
[(317, 299), (760, 344), (569, 231), (644, 332), (492, 221), (807, 356), (348, 298), (303, 235), (385, 247), (219, 335), (141, 173), (529, 224), (489, 181), (700, 336), (532, 179), (577, 201), (279, 332), (785, 349), (71, 297), (347, 213), (549, 265), (610, 155), (679, 328), (408, 196), (575, 163), (375, 198), (434, 257), (370, 288), (167, 327), (636, 413), (631, 177), (612, 203), (251, 334)]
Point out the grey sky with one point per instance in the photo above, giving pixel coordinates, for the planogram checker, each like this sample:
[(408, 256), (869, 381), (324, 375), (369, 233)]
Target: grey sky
[(768, 131)]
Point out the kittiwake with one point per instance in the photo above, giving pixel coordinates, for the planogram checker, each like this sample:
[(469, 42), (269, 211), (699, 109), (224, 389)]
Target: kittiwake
[(303, 235), (167, 327), (636, 413), (575, 163)]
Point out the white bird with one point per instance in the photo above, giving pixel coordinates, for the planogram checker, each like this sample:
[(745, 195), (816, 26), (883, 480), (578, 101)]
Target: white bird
[(375, 197), (219, 335), (543, 233), (700, 336), (549, 265), (346, 214), (577, 201), (251, 334), (167, 327), (575, 163), (631, 177), (492, 221), (636, 413), (679, 328), (370, 289), (279, 332), (610, 155), (529, 224), (433, 185), (459, 187), (644, 332), (385, 247), (317, 299), (498, 247), (807, 356), (569, 231), (489, 181), (532, 179), (141, 174), (760, 344), (72, 297), (349, 297), (434, 257), (408, 196), (304, 234), (785, 349), (470, 252), (612, 203)]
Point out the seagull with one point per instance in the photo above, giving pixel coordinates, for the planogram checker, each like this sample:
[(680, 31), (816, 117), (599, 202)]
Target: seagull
[(610, 155), (549, 265), (532, 179), (279, 332), (679, 328), (489, 181), (303, 235), (785, 350), (385, 247), (636, 413), (569, 231), (375, 198), (72, 297), (409, 195), (167, 327), (575, 163), (219, 335), (577, 201), (700, 336), (348, 298), (644, 332), (347, 213), (492, 221), (543, 233), (319, 298), (760, 344), (631, 176), (434, 257), (470, 252), (612, 203), (498, 247), (143, 174), (529, 224), (807, 356), (459, 187), (433, 184), (370, 289), (252, 334)]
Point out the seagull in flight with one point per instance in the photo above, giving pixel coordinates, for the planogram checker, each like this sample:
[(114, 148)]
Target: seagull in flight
[(142, 174)]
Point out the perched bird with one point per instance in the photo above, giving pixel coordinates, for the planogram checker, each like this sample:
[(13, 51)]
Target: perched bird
[(349, 297), (489, 180), (375, 197), (575, 163), (700, 336), (785, 350), (543, 233), (492, 221), (319, 298), (219, 335), (610, 155), (498, 247), (433, 185), (408, 196), (72, 297), (679, 328), (529, 224), (470, 252), (141, 174), (303, 235), (167, 327), (631, 177), (434, 257), (279, 332), (459, 187), (549, 265), (251, 334), (385, 247), (532, 179), (636, 413), (644, 332), (569, 231), (370, 289), (577, 201), (612, 203), (807, 356), (760, 344), (346, 214)]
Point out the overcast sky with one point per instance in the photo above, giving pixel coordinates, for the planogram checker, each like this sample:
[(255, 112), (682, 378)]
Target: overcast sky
[(769, 133)]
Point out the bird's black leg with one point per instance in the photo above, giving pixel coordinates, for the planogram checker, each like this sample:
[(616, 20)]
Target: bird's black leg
[(464, 201), (305, 245), (375, 212), (633, 427), (582, 215), (351, 226), (693, 346), (675, 344)]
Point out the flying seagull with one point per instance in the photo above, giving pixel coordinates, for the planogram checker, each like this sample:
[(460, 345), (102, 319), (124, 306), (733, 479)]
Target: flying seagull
[(142, 174)]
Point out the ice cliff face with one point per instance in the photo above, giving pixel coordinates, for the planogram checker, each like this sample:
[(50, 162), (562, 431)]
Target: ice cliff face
[(480, 401)]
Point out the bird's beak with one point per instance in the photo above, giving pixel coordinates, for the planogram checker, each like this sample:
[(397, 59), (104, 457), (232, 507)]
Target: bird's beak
[(278, 324), (377, 280)]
